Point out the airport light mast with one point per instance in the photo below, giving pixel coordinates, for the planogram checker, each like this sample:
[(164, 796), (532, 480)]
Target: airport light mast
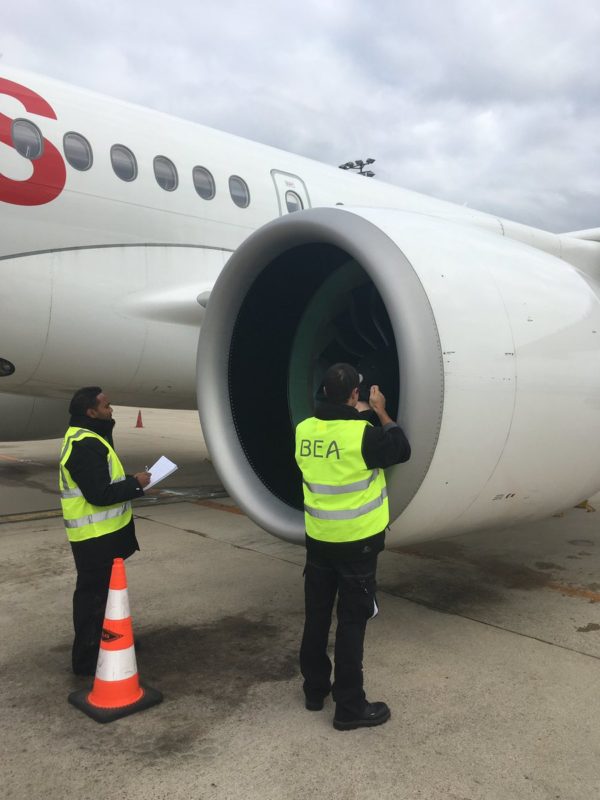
[(359, 165)]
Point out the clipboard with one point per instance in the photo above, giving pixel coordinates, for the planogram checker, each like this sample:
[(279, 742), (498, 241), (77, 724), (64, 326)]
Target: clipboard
[(160, 470)]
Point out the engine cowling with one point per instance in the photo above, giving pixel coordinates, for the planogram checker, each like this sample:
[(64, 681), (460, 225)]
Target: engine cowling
[(487, 350), (23, 417)]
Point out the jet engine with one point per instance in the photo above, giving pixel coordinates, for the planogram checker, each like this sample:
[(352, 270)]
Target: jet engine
[(487, 349)]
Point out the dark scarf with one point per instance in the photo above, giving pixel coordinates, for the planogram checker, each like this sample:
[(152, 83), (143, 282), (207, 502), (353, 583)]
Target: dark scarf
[(103, 427), (343, 411)]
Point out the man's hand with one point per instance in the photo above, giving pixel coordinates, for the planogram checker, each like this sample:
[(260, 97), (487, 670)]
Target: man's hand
[(376, 400), (143, 478), (377, 403)]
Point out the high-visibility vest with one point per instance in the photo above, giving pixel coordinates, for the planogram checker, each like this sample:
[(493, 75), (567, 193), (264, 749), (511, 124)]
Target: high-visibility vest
[(344, 500), (82, 519)]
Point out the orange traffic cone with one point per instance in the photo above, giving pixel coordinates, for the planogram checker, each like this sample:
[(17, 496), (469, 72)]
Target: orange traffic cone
[(117, 691), (139, 423)]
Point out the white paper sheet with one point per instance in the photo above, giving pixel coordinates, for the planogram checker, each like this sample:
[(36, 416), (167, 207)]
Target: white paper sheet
[(160, 470)]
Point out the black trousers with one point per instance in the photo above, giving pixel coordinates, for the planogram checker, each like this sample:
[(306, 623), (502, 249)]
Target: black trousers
[(354, 583), (89, 605)]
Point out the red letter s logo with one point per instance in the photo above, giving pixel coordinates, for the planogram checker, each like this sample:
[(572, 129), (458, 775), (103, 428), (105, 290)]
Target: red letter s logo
[(49, 173)]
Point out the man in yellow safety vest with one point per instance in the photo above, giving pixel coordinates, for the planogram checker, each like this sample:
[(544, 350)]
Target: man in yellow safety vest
[(342, 457), (96, 499)]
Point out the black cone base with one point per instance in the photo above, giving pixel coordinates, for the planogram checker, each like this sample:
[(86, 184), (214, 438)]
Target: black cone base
[(79, 699)]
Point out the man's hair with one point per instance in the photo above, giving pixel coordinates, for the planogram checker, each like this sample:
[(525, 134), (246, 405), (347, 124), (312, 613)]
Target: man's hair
[(340, 380), (84, 398)]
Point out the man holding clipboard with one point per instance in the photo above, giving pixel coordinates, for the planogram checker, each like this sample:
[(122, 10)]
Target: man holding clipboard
[(96, 499)]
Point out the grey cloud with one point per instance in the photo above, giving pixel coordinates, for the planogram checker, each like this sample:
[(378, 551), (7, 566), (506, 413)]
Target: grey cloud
[(495, 105)]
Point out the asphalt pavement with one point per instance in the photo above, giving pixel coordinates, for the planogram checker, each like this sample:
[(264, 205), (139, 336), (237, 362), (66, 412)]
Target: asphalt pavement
[(486, 648)]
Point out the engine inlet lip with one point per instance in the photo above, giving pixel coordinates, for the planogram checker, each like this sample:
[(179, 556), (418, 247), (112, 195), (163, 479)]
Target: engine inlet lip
[(415, 331)]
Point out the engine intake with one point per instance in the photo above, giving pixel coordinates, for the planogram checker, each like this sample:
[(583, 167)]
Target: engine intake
[(306, 291)]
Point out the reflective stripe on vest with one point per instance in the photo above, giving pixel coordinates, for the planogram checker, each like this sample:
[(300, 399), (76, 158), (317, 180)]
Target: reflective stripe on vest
[(82, 519), (324, 488), (67, 493), (344, 500), (99, 516), (349, 513)]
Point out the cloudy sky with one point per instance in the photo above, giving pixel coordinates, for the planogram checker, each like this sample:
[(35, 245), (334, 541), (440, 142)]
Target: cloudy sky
[(492, 104)]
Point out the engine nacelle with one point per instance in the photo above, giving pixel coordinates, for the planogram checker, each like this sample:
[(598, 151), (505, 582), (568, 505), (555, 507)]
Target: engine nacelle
[(23, 417), (487, 349)]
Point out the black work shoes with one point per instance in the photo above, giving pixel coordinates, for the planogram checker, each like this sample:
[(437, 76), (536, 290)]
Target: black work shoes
[(373, 714), (313, 704)]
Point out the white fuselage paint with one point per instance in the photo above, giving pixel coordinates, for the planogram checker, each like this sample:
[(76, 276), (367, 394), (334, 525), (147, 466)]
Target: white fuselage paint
[(101, 284)]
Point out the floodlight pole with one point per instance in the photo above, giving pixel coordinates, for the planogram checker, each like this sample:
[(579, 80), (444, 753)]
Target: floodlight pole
[(359, 167)]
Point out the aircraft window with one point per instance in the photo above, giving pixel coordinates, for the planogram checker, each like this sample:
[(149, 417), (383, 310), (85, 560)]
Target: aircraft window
[(77, 151), (123, 162), (165, 173), (27, 139), (204, 183), (238, 189), (293, 202)]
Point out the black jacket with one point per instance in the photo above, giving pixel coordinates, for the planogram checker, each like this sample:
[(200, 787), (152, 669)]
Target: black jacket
[(381, 447), (88, 466)]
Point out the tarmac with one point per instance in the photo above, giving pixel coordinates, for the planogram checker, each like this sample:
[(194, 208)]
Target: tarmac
[(486, 648)]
